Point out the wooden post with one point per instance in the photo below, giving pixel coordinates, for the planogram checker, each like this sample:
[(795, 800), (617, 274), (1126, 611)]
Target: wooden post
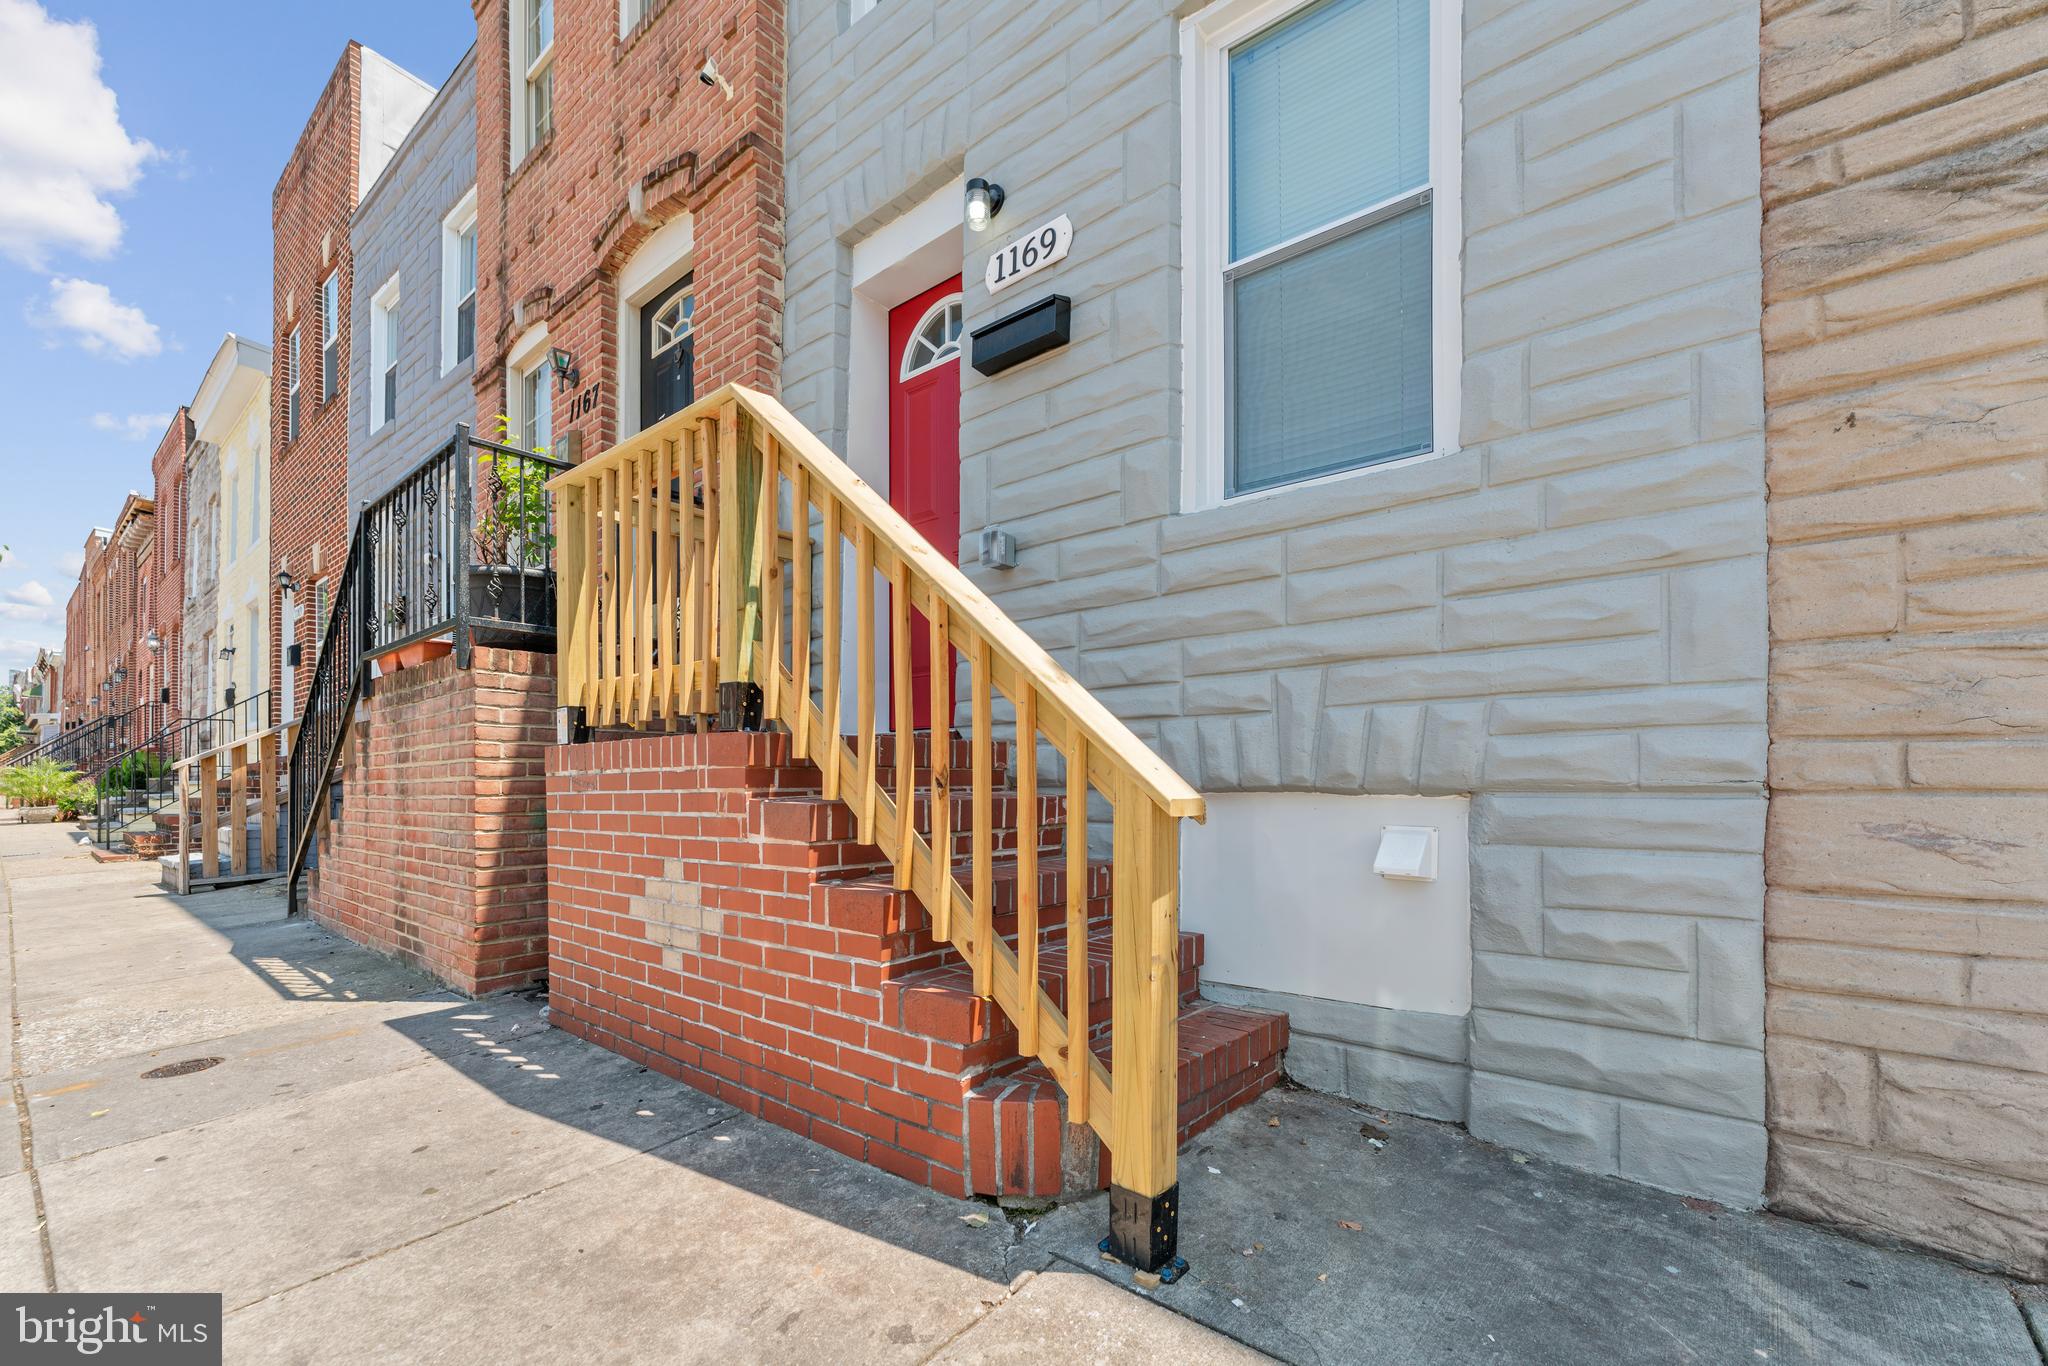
[(185, 817), (238, 809), (1025, 749), (209, 816), (983, 839), (266, 805), (572, 611), (1144, 1193)]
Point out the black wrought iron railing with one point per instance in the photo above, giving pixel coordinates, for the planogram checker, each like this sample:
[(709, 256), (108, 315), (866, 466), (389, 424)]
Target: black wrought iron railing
[(462, 547), (90, 747), (137, 783)]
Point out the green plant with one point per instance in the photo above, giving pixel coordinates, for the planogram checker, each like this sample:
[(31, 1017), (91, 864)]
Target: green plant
[(45, 782), (11, 720), (512, 524), (137, 770)]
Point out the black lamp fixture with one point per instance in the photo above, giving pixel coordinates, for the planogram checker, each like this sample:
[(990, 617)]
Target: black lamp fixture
[(120, 673), (564, 366), (285, 582), (984, 202)]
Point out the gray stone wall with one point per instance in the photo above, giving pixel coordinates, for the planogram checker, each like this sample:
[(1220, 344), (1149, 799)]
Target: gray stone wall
[(1564, 617), (397, 228)]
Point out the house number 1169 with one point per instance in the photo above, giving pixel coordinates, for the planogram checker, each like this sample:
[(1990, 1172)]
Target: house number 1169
[(1032, 252)]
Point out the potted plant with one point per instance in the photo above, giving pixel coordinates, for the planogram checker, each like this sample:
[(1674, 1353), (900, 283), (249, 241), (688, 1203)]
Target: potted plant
[(514, 541), (408, 656), (47, 789)]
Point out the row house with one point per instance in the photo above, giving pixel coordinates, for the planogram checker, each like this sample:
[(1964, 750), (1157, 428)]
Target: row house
[(40, 694), (227, 566), (365, 111), (1583, 572), (162, 618)]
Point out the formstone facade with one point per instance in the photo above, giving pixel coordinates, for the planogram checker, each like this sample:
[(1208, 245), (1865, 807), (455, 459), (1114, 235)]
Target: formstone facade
[(1560, 614), (397, 236), (1906, 333)]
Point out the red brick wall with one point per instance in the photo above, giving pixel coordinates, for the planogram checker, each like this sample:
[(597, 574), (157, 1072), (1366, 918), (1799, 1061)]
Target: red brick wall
[(691, 933), (439, 854), (553, 232), (309, 215)]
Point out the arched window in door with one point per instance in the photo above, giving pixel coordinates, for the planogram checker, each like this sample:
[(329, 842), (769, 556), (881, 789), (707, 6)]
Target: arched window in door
[(936, 338), (668, 352)]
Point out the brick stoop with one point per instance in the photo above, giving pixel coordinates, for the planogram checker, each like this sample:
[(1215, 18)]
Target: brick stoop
[(714, 918)]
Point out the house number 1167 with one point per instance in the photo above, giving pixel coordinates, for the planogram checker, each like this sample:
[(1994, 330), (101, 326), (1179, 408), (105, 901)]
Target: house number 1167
[(1032, 252)]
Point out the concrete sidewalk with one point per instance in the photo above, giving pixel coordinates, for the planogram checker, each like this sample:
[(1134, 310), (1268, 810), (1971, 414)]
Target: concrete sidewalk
[(378, 1171)]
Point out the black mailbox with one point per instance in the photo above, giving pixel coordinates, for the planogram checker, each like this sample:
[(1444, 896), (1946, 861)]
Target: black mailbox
[(1031, 331)]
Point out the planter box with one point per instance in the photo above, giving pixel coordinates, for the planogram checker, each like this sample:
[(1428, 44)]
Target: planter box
[(520, 612), (38, 815)]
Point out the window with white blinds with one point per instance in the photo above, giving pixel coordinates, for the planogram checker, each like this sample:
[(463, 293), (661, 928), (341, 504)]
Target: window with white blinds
[(1316, 306)]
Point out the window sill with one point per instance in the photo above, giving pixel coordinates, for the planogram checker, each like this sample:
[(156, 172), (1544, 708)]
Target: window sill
[(1309, 490), (532, 155), (631, 37)]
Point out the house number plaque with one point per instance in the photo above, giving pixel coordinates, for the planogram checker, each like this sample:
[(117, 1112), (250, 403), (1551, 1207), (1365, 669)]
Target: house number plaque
[(1034, 251)]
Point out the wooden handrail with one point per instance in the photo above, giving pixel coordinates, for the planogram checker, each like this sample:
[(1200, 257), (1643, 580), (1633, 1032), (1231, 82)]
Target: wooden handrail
[(658, 612), (196, 778)]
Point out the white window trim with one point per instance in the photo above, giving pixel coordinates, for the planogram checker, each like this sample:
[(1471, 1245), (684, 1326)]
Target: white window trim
[(383, 303), (941, 356), (460, 219), (294, 384), (525, 66), (668, 254), (1206, 40), (628, 19), (528, 354), (856, 10)]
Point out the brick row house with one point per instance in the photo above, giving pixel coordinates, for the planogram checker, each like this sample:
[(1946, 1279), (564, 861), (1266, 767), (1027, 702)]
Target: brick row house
[(1481, 449)]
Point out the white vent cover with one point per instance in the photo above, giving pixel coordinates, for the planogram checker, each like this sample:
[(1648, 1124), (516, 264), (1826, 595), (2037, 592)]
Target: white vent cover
[(1407, 852)]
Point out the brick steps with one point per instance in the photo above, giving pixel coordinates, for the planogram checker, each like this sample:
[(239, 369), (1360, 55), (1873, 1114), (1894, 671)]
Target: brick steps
[(716, 919), (1020, 1147)]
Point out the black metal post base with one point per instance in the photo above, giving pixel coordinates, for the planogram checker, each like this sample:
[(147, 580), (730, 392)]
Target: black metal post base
[(1144, 1231), (571, 726), (739, 706)]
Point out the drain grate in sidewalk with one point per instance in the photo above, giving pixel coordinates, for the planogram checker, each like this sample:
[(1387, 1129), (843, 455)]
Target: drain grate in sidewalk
[(181, 1069)]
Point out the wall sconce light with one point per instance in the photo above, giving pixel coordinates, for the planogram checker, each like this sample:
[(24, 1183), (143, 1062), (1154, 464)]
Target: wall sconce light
[(121, 673), (227, 651), (984, 202), (564, 366), (154, 641), (285, 582)]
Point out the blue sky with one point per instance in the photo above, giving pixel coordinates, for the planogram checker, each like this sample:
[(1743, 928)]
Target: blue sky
[(135, 231)]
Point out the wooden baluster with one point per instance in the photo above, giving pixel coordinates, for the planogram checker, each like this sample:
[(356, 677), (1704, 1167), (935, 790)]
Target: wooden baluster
[(828, 748), (800, 610), (771, 592), (1144, 1000), (209, 816), (238, 810), (714, 577), (633, 571), (266, 806), (1025, 756), (761, 558), (570, 577), (906, 729), (604, 544), (940, 741), (984, 819), (864, 674), (734, 663), (587, 614), (1077, 924), (615, 578), (663, 627)]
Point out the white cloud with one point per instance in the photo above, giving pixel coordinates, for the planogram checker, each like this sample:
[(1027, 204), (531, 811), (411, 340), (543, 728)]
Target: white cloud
[(31, 593), (133, 426), (18, 653), (63, 150), (21, 611), (97, 320), (72, 562)]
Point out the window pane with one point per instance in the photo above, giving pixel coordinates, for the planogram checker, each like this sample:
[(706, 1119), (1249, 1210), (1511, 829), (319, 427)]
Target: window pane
[(390, 392), (465, 274), (465, 329), (1331, 353), (1329, 113)]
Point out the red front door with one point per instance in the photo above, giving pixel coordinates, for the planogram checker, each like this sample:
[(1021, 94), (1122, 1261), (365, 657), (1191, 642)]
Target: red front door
[(924, 443)]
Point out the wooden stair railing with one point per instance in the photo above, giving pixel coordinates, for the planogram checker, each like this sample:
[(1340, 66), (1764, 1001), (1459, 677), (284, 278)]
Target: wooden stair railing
[(197, 785), (687, 583)]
